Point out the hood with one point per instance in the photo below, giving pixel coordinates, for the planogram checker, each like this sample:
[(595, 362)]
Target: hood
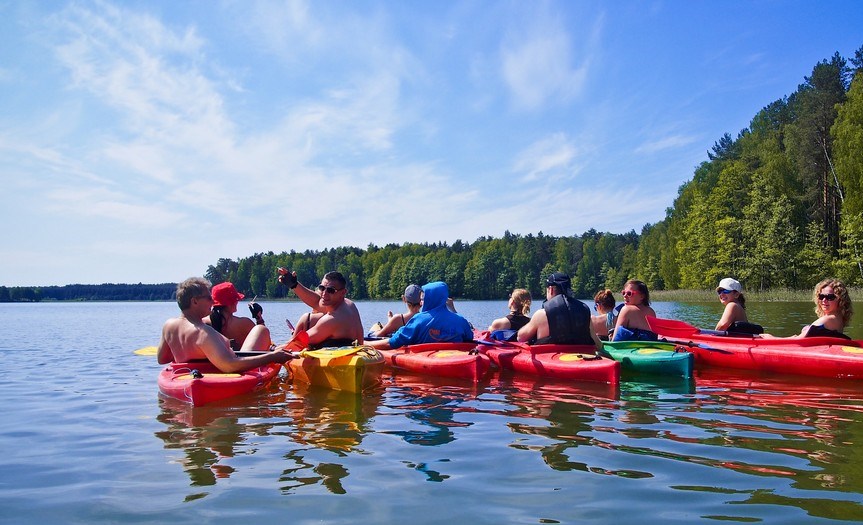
[(435, 295)]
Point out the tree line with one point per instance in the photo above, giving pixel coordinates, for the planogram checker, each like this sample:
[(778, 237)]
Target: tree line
[(778, 206)]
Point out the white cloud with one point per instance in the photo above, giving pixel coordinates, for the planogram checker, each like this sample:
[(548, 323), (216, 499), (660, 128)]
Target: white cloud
[(550, 157), (664, 143), (539, 62)]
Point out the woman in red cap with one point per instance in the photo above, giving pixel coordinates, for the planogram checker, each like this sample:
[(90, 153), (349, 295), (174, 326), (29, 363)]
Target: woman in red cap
[(237, 329)]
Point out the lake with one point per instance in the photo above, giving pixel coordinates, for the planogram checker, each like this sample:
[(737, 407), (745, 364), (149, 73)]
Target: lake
[(87, 438)]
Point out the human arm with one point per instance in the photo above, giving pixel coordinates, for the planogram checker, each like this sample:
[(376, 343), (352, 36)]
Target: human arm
[(499, 324), (729, 315), (393, 324), (257, 312), (163, 352), (220, 355), (310, 297), (596, 342), (622, 319), (380, 344), (529, 331)]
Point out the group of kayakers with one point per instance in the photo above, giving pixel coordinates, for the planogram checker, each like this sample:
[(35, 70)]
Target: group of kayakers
[(832, 306), (208, 328)]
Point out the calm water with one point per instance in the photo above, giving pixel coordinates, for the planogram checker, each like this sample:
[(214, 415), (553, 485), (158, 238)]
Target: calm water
[(87, 439)]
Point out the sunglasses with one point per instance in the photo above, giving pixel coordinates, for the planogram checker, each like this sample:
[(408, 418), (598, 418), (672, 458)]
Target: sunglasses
[(723, 291), (627, 293), (828, 297), (328, 289), (207, 297)]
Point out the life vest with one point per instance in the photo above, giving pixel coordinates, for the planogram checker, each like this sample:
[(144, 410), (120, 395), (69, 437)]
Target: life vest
[(568, 322)]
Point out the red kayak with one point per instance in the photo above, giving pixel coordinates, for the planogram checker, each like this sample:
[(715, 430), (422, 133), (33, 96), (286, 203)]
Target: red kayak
[(568, 362), (812, 356), (456, 360), (200, 383)]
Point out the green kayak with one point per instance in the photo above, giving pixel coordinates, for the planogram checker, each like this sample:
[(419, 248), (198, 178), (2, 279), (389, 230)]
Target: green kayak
[(650, 357)]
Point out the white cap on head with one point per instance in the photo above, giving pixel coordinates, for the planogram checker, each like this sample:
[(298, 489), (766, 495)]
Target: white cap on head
[(729, 284)]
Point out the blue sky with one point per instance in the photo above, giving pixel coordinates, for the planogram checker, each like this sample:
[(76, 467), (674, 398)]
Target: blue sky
[(140, 141)]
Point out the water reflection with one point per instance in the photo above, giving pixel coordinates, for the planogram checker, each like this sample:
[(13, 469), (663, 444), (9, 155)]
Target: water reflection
[(321, 419), (431, 404), (207, 436)]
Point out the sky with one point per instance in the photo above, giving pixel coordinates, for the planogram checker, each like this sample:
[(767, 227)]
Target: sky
[(141, 141)]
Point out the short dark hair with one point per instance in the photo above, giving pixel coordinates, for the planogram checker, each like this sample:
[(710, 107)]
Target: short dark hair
[(336, 277)]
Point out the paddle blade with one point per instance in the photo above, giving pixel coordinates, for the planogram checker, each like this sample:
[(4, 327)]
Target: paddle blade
[(671, 327), (147, 350), (299, 341), (331, 353)]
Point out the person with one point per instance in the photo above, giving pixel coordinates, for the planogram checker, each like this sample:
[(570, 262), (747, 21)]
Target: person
[(237, 329), (334, 319), (562, 320), (435, 322), (833, 308), (631, 322), (411, 298), (187, 338), (519, 307), (731, 296), (603, 321)]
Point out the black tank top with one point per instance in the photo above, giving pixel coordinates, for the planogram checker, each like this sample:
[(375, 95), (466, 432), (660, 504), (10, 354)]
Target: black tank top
[(517, 321)]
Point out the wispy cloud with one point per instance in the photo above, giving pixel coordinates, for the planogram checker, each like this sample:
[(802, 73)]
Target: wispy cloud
[(664, 143), (539, 63), (550, 157)]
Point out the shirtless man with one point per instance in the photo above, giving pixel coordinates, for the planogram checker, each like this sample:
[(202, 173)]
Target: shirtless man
[(226, 298), (335, 320), (186, 338)]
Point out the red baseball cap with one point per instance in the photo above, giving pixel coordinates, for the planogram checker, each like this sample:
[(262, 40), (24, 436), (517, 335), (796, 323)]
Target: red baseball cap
[(225, 294)]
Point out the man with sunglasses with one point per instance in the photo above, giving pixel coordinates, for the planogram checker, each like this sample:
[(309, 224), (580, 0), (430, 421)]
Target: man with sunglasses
[(563, 319), (334, 319), (186, 338)]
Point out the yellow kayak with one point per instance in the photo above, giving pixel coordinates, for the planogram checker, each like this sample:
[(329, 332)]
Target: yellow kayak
[(352, 369)]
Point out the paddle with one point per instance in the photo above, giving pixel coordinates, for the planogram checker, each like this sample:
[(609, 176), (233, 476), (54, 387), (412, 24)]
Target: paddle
[(147, 350), (671, 327)]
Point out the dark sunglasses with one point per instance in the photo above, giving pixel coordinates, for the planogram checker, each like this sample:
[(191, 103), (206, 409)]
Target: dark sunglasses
[(627, 293), (829, 296), (723, 291), (328, 289)]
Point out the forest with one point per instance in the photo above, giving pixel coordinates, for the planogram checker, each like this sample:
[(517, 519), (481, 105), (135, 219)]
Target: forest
[(778, 205)]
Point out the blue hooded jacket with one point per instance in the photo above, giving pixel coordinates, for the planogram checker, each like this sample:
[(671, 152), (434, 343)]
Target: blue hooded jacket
[(435, 323)]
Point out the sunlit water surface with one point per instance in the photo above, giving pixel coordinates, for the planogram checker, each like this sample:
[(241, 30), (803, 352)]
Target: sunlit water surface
[(87, 439)]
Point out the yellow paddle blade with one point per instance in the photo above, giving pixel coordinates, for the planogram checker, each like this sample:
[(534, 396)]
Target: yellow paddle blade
[(325, 353), (147, 350)]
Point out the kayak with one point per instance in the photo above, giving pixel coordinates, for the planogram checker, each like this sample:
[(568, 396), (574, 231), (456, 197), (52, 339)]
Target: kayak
[(456, 360), (569, 362), (352, 369), (201, 382), (650, 357), (832, 357)]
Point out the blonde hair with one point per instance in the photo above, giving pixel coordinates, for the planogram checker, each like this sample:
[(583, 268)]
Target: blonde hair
[(521, 301), (841, 292)]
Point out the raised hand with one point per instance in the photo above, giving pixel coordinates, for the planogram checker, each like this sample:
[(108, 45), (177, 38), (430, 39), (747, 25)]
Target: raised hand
[(288, 278)]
